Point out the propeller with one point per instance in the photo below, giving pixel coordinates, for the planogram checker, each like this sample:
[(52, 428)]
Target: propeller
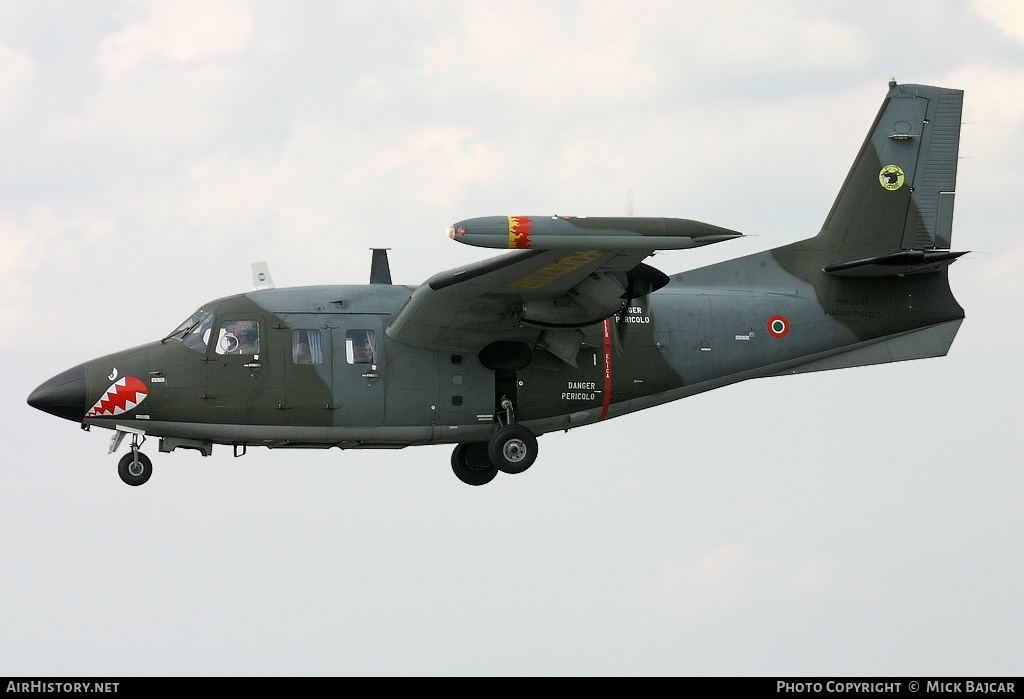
[(638, 282)]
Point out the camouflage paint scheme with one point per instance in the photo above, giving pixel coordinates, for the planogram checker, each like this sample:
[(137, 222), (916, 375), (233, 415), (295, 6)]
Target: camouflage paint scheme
[(571, 328)]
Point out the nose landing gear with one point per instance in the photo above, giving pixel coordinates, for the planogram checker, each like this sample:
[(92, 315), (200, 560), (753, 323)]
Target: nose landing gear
[(134, 468)]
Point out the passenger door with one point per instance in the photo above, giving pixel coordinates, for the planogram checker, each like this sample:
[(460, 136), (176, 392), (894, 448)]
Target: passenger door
[(360, 370)]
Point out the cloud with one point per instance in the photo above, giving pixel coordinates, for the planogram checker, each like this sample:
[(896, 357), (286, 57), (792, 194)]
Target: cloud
[(542, 53), (324, 171), (179, 30), (34, 251), (1006, 15), (15, 75), (14, 245), (766, 37), (721, 581)]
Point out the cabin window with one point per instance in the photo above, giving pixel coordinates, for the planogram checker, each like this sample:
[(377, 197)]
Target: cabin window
[(360, 347), (194, 333), (307, 347), (239, 337)]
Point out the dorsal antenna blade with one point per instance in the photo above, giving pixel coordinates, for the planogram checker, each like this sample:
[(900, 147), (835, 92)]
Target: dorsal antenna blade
[(261, 276), (380, 269)]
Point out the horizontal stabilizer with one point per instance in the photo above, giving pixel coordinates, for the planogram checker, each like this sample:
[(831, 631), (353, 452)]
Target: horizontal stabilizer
[(587, 233), (898, 264)]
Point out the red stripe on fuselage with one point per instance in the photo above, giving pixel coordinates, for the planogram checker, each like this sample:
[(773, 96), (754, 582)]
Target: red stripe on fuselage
[(606, 397)]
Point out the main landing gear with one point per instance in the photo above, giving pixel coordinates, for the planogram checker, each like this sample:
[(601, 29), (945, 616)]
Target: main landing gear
[(511, 449)]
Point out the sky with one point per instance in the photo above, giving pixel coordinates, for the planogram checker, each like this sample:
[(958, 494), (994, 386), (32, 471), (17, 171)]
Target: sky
[(864, 522)]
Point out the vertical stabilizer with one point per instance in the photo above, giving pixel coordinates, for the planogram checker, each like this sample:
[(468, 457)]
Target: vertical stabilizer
[(899, 193)]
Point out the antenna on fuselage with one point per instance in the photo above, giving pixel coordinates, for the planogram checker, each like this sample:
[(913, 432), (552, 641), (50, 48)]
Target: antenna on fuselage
[(261, 276), (380, 269)]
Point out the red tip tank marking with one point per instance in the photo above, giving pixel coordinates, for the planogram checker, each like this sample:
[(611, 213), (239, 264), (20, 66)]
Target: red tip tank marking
[(519, 231)]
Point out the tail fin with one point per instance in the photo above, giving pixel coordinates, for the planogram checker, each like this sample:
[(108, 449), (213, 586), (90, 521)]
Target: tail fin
[(898, 197)]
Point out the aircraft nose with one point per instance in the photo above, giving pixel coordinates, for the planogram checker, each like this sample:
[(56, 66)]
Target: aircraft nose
[(63, 395)]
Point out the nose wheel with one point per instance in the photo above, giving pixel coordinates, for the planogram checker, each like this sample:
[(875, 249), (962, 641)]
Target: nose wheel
[(135, 468)]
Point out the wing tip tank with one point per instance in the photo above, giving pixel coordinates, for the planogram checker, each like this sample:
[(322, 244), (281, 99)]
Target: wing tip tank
[(581, 233)]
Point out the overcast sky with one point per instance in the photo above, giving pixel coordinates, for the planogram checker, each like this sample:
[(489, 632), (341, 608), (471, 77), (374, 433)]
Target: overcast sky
[(858, 522)]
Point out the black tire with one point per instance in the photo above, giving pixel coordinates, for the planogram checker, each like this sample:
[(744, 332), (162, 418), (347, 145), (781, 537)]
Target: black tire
[(471, 464), (512, 448), (132, 472)]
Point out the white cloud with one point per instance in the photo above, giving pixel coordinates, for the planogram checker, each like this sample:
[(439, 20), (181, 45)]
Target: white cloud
[(16, 71), (14, 244), (762, 37), (330, 184), (613, 52), (720, 581), (179, 30), (439, 161), (541, 53), (1006, 15), (35, 251)]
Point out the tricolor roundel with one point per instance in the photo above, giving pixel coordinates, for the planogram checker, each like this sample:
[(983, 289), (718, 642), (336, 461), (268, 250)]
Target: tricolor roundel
[(778, 327), (123, 395)]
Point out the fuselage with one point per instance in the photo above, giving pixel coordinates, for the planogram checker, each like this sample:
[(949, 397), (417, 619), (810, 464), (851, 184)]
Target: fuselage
[(315, 367)]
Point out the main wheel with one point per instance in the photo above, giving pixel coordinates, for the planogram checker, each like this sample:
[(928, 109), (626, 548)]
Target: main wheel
[(512, 448), (135, 471), (471, 465)]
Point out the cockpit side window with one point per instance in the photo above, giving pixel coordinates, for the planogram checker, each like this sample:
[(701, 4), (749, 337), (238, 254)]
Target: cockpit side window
[(194, 332), (307, 347), (238, 337)]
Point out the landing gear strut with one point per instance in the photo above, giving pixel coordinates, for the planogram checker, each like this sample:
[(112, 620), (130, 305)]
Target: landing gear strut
[(135, 468)]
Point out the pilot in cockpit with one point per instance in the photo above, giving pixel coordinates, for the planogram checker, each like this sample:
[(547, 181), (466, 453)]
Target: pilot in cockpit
[(239, 337)]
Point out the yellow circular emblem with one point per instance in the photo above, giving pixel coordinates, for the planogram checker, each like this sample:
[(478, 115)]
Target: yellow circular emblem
[(891, 177)]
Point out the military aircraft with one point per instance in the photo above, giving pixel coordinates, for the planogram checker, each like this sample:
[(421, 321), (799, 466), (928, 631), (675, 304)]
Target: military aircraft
[(569, 329)]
